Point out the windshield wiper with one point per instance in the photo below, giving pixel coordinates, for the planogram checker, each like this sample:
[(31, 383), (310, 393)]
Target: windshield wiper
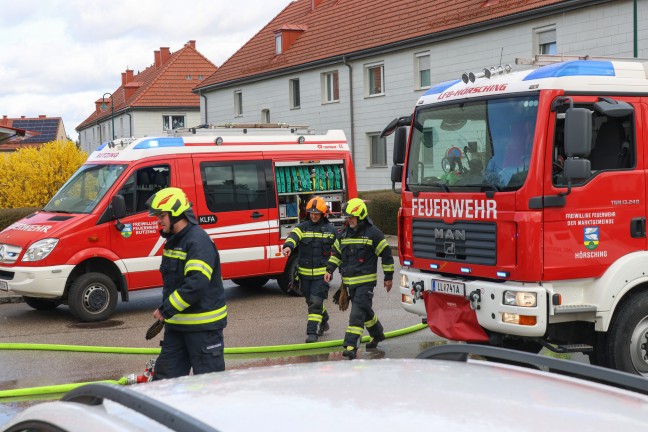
[(57, 211), (441, 185), (492, 186)]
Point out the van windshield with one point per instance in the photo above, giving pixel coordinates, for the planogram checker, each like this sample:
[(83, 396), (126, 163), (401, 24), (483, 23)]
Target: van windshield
[(480, 145), (82, 192)]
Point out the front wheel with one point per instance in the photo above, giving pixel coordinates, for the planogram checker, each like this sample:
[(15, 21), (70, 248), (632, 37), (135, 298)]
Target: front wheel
[(628, 336), (288, 281), (92, 297), (253, 282), (41, 304)]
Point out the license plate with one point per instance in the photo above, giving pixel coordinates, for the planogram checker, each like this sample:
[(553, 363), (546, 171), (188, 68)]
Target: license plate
[(452, 288), (4, 286)]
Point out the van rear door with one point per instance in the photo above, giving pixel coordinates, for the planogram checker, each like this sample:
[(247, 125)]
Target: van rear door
[(234, 208)]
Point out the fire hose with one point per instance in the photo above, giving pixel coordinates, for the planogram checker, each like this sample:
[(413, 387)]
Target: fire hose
[(132, 378)]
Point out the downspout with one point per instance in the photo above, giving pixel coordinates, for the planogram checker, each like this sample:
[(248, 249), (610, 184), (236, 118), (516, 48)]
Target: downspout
[(205, 99), (351, 124), (635, 35), (130, 125)]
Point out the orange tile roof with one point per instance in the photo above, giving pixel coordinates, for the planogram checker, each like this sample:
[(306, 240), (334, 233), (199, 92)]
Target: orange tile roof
[(339, 27), (165, 86)]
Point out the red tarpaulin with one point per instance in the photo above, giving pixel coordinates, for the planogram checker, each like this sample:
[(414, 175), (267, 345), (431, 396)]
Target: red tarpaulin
[(451, 317)]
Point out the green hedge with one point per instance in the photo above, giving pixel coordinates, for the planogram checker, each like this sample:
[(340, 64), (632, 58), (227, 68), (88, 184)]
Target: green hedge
[(9, 216), (383, 208)]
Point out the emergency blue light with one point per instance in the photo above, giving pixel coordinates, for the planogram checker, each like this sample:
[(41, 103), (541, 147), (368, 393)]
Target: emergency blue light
[(440, 88), (160, 142), (573, 68), (465, 270), (407, 262), (503, 274), (434, 266)]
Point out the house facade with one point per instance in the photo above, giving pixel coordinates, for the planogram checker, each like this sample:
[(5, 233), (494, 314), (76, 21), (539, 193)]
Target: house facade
[(149, 102), (22, 132), (339, 64)]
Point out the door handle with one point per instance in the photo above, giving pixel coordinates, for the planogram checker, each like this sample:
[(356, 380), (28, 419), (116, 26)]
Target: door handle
[(256, 215), (638, 227)]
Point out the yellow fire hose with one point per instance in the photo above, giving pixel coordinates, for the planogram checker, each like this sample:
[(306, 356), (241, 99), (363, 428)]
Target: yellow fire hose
[(62, 388)]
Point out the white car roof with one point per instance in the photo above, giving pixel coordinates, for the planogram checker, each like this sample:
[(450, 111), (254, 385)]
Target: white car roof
[(372, 395)]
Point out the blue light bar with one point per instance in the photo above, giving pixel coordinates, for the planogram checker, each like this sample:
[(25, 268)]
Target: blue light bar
[(573, 68), (503, 274), (160, 142), (102, 146), (465, 270), (434, 266), (407, 262), (440, 88)]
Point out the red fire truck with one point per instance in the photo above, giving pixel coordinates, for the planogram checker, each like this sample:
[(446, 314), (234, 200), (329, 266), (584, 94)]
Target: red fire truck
[(249, 188), (534, 233)]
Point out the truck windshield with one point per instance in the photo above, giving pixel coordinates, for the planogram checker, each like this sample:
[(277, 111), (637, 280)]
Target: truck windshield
[(480, 145), (82, 192)]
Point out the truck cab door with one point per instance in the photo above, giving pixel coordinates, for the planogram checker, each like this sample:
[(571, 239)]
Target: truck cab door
[(138, 243), (234, 208), (603, 217)]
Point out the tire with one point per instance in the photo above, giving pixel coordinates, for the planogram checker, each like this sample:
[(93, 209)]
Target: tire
[(288, 281), (599, 355), (627, 340), (92, 297), (253, 282), (41, 304)]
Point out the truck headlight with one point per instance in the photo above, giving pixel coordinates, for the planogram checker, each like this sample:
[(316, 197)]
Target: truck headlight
[(520, 298), (40, 249), (403, 280)]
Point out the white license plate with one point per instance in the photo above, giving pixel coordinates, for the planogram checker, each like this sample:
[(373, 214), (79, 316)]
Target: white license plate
[(452, 288), (4, 286)]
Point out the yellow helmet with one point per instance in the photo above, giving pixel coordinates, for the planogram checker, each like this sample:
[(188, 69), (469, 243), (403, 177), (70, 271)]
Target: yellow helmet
[(317, 205), (172, 200), (355, 207)]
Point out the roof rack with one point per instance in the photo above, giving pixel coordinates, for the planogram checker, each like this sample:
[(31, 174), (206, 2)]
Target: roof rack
[(547, 59), (243, 128)]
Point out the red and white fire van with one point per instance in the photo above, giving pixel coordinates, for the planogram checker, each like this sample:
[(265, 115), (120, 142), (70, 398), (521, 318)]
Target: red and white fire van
[(524, 202), (248, 187)]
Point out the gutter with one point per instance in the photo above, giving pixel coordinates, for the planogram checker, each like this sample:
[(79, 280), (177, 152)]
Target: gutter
[(562, 7)]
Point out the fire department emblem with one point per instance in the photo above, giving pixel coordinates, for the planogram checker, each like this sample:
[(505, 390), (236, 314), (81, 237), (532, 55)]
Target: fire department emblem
[(591, 237), (127, 231)]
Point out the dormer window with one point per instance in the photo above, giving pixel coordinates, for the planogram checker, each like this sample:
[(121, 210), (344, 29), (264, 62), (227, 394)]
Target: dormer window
[(286, 36), (278, 43)]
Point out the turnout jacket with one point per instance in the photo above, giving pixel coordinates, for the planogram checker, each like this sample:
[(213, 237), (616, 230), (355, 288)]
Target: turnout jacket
[(193, 295), (356, 253), (314, 241)]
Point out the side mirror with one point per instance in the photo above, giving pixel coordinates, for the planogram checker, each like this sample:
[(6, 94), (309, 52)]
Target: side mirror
[(396, 176), (118, 205), (577, 169), (578, 132), (400, 145)]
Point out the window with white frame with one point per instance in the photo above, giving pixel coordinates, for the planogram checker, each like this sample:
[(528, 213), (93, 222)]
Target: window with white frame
[(422, 64), (377, 150), (172, 122), (330, 87), (265, 116), (374, 79), (546, 41), (278, 41), (238, 103), (293, 90)]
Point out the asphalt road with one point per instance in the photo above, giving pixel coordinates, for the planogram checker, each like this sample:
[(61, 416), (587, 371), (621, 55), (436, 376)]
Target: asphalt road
[(256, 317)]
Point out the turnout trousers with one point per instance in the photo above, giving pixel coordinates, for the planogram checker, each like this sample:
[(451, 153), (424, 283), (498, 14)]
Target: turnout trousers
[(183, 351), (315, 292), (362, 315)]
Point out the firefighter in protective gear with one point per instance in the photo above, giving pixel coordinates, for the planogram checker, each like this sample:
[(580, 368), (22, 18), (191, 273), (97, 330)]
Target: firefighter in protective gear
[(356, 253), (193, 299), (313, 239)]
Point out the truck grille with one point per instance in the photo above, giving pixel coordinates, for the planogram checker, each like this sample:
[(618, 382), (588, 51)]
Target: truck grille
[(465, 242)]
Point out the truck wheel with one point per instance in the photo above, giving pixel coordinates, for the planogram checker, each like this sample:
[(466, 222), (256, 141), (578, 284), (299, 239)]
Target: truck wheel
[(599, 355), (628, 336), (253, 282), (41, 303), (92, 297), (288, 280)]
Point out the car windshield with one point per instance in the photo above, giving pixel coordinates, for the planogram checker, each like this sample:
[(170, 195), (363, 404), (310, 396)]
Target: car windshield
[(484, 144), (82, 192)]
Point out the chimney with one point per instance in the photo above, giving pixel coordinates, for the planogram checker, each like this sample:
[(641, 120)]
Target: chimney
[(165, 53), (156, 55), (4, 122), (41, 116), (191, 43), (315, 3), (129, 75)]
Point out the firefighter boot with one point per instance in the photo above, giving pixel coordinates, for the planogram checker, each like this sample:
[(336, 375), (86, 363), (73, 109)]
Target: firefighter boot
[(377, 333), (350, 352), (324, 325), (311, 338)]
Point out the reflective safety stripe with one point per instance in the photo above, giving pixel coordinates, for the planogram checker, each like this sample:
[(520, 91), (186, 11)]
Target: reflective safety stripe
[(290, 240), (388, 267), (355, 330), (356, 280), (335, 260), (198, 318), (298, 232), (381, 246), (362, 241), (336, 246), (372, 322), (311, 234), (198, 265), (174, 254), (177, 301), (320, 271), (315, 317)]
